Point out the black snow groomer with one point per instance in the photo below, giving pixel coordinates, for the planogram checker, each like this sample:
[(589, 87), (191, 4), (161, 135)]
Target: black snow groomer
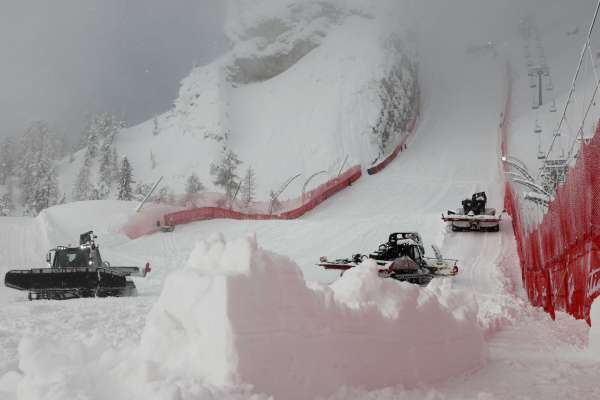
[(75, 272), (401, 258), (473, 216)]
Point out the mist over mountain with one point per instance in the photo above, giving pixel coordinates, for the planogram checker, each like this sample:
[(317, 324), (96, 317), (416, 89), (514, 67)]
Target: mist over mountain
[(66, 60)]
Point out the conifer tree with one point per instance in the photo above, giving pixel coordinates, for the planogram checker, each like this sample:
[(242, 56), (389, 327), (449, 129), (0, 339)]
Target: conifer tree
[(46, 191), (83, 186), (92, 143), (114, 165), (35, 168), (140, 190), (248, 189), (7, 198), (99, 136), (125, 181), (6, 204), (224, 172), (193, 184), (7, 159), (105, 180)]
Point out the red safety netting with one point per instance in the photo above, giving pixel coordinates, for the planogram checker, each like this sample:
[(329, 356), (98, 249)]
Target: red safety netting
[(560, 257), (206, 206)]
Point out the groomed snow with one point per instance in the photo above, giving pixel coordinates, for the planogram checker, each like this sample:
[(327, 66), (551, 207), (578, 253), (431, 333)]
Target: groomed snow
[(238, 314), (530, 356)]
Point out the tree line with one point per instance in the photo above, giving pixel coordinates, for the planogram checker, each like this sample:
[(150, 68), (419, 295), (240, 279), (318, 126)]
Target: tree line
[(28, 166), (29, 176)]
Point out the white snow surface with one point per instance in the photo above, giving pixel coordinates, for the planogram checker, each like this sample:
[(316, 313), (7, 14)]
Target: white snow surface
[(594, 340), (144, 347), (239, 314)]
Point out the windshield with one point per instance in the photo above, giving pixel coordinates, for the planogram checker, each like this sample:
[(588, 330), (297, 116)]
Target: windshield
[(71, 258)]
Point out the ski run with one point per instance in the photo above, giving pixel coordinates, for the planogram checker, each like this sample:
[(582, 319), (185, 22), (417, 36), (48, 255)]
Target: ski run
[(238, 309)]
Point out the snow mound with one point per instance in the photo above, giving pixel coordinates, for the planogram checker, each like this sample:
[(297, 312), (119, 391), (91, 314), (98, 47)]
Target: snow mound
[(62, 224), (240, 314)]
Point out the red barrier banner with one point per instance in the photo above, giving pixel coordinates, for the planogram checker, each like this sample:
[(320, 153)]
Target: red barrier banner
[(155, 217)]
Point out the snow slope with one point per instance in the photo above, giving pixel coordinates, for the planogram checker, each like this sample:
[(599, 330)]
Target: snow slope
[(333, 92), (453, 154), (416, 181)]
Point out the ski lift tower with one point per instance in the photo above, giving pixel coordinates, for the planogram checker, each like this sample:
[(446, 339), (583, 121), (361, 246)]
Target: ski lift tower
[(552, 173), (540, 71)]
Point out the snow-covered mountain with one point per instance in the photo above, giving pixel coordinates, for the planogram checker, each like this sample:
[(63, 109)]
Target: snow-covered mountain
[(293, 96), (219, 313)]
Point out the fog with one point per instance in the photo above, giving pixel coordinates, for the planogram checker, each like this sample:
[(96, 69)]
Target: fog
[(64, 60), (475, 20)]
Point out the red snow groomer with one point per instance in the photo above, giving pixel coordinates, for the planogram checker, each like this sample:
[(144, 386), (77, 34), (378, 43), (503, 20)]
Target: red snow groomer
[(473, 216)]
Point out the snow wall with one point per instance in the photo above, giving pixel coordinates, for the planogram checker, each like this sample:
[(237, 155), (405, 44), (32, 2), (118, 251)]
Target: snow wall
[(560, 258), (240, 314)]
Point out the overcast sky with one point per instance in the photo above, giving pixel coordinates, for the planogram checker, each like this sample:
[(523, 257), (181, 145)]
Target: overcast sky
[(62, 60)]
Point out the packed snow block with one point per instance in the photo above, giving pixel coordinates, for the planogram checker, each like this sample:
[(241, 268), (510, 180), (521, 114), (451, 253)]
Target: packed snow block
[(240, 314)]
